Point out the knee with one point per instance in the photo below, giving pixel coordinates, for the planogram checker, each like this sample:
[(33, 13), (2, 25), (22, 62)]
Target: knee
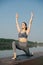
[(13, 43)]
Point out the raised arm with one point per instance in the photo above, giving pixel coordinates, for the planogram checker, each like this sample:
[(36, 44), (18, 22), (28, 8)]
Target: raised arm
[(17, 24), (30, 24)]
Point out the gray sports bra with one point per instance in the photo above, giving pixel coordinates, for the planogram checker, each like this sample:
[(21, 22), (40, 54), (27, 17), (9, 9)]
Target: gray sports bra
[(22, 35)]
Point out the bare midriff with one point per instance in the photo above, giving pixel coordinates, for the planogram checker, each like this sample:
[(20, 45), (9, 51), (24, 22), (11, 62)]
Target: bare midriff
[(22, 39)]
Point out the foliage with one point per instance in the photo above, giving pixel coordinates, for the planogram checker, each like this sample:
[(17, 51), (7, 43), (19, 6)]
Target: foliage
[(6, 44)]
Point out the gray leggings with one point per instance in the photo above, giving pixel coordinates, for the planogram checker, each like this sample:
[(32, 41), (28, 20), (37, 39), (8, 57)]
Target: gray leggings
[(21, 46)]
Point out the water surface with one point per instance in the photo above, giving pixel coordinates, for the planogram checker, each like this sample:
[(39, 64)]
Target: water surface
[(8, 53)]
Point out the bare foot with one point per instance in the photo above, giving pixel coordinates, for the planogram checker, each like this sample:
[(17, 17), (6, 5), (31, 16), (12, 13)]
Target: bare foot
[(14, 56)]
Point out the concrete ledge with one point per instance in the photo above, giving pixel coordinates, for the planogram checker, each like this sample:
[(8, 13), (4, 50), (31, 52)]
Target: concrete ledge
[(36, 59)]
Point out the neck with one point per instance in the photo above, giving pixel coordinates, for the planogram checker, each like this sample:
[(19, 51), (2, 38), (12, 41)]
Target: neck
[(23, 30)]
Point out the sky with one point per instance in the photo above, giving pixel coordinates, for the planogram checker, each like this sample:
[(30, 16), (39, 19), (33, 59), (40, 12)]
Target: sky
[(8, 10)]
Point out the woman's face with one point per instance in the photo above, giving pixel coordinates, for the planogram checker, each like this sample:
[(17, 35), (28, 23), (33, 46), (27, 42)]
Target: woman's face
[(23, 26)]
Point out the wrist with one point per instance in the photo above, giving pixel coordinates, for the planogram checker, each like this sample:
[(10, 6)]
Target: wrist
[(16, 17)]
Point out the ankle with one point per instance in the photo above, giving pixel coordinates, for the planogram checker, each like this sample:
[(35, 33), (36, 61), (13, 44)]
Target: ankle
[(14, 55)]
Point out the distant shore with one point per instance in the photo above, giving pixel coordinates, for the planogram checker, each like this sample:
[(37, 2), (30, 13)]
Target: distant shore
[(6, 44)]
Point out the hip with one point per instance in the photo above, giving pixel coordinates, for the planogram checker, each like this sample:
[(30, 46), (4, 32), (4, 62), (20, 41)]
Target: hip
[(24, 44)]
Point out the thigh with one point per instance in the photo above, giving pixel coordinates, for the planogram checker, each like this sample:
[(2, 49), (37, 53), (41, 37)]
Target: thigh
[(18, 46), (21, 46), (26, 47)]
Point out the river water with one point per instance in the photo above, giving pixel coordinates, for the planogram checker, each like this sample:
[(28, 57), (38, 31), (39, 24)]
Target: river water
[(9, 53)]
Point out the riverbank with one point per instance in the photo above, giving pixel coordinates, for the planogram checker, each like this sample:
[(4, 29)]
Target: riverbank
[(36, 59)]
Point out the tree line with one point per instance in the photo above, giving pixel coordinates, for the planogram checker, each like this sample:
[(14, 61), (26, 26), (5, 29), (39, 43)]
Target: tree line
[(6, 44)]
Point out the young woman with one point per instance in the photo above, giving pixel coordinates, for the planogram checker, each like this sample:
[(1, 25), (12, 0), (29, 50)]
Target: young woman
[(23, 33)]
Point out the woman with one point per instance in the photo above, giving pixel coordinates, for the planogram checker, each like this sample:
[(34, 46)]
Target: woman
[(23, 33)]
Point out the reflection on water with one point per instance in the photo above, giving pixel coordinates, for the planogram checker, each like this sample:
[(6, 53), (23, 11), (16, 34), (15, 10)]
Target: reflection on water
[(8, 53)]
